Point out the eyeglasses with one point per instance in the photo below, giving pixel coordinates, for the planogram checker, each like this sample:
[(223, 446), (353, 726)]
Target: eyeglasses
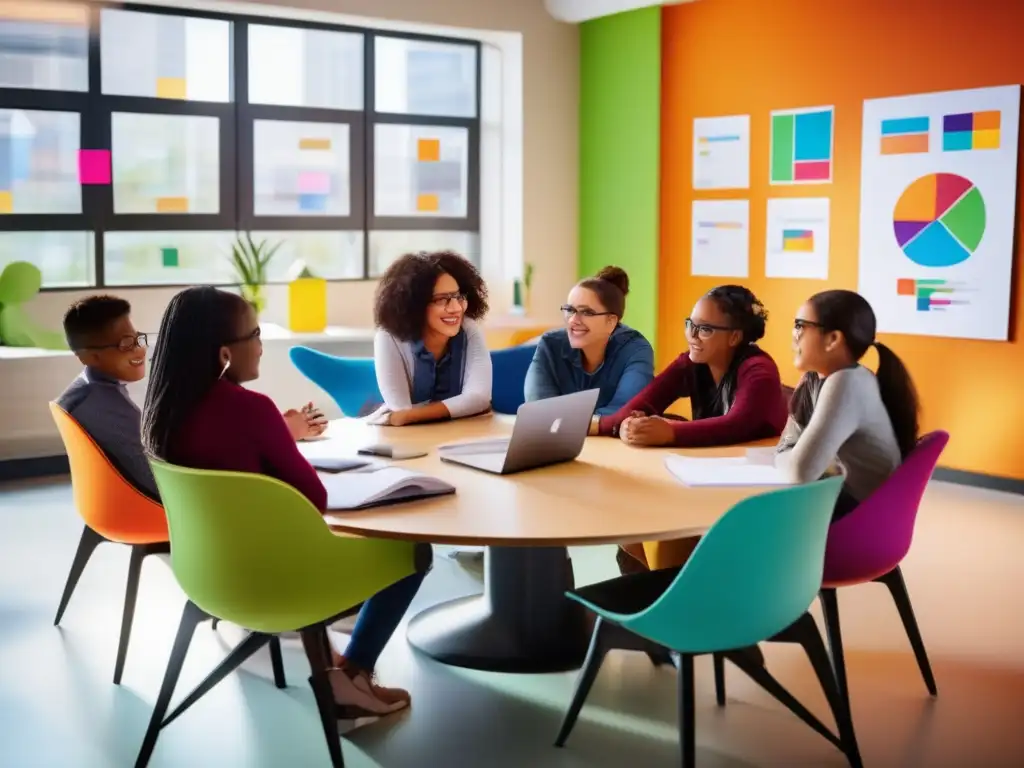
[(569, 311), (799, 325), (444, 300), (253, 334), (126, 344), (704, 330)]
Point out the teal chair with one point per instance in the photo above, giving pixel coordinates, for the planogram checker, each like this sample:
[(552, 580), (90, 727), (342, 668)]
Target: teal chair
[(751, 579), (350, 381), (253, 551)]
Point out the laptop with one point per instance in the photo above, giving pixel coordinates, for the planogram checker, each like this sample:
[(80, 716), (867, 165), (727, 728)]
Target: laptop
[(546, 432)]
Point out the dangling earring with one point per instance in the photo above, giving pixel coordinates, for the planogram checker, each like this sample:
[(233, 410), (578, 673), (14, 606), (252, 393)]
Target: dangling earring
[(224, 369)]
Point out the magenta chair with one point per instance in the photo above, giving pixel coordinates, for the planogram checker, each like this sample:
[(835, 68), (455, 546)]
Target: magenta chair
[(868, 545)]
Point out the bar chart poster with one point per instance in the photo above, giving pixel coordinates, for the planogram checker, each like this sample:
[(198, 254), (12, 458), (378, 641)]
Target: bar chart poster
[(938, 203), (802, 145), (720, 240), (721, 152), (796, 238)]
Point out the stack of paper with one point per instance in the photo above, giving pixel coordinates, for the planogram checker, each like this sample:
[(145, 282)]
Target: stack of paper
[(732, 471), (359, 490)]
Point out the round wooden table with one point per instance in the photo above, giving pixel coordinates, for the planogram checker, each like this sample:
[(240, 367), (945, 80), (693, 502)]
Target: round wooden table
[(612, 494)]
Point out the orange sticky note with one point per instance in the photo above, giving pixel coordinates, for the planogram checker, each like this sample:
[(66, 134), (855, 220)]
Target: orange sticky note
[(987, 121), (170, 88), (427, 203), (6, 202), (172, 205), (314, 143), (428, 150), (906, 287)]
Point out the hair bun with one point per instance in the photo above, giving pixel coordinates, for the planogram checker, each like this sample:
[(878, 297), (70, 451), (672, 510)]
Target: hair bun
[(616, 276)]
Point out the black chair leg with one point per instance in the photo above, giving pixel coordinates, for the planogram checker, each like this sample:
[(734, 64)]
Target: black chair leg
[(830, 612), (316, 645), (805, 632), (86, 546), (277, 662), (898, 589), (687, 712), (660, 658), (238, 656), (751, 662), (214, 623), (591, 666), (190, 618), (131, 592), (719, 661)]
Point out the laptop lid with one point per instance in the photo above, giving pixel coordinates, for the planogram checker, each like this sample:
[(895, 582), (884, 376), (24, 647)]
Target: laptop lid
[(550, 431)]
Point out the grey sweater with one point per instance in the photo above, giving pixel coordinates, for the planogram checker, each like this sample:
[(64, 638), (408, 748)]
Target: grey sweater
[(849, 426)]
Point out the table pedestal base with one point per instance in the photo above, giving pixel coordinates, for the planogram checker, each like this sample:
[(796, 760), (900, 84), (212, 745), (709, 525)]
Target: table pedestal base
[(521, 623)]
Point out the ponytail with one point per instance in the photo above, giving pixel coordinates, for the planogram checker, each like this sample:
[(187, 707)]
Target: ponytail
[(899, 397)]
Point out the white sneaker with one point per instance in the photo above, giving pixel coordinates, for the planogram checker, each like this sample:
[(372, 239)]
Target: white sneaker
[(354, 697)]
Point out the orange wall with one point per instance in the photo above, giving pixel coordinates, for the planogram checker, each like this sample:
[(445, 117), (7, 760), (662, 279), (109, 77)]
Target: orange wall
[(725, 57)]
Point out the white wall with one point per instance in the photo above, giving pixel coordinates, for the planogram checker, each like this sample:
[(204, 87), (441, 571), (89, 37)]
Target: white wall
[(529, 211)]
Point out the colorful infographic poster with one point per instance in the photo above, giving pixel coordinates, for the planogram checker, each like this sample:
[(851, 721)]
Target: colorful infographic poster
[(721, 152), (796, 239), (720, 245), (938, 195), (801, 146)]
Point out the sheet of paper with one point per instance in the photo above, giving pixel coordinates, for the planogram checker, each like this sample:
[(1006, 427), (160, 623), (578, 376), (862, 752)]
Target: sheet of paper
[(797, 238), (721, 152), (939, 210), (731, 471), (720, 242)]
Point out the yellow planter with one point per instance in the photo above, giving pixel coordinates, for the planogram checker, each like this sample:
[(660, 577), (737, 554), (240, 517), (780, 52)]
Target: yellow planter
[(307, 305)]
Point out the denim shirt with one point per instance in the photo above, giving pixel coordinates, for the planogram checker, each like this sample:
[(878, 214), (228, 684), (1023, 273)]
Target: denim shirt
[(435, 380), (557, 369)]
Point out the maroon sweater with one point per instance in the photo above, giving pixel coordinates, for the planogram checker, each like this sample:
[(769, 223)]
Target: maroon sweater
[(758, 409), (237, 430)]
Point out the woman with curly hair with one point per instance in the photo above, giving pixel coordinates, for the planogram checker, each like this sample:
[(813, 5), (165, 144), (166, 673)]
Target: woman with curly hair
[(431, 358), (734, 389)]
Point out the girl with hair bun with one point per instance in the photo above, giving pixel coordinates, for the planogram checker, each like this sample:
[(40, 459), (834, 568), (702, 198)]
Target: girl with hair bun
[(595, 350), (735, 397)]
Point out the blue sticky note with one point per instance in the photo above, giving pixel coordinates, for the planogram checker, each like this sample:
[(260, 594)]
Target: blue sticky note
[(813, 136)]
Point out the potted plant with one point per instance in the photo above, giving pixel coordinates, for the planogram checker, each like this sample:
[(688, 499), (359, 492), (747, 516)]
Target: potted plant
[(527, 285), (250, 260)]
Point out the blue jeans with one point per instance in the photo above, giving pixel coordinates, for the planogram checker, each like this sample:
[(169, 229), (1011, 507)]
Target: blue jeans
[(383, 612)]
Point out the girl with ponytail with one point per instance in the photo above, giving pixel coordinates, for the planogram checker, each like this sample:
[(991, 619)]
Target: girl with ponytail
[(842, 413)]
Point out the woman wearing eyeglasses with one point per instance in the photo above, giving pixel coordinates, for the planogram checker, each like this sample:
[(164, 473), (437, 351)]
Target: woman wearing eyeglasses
[(431, 358), (733, 386), (841, 412), (595, 350)]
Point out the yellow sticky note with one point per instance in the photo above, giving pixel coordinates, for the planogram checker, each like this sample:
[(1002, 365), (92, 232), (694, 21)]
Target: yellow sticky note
[(170, 88), (427, 203), (428, 150), (314, 143), (172, 205), (6, 202)]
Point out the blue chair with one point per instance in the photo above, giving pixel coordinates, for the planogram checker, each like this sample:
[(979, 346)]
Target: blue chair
[(350, 381), (751, 579), (509, 377)]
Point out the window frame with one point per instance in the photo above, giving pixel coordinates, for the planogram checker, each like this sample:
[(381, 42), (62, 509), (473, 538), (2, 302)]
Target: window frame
[(236, 151)]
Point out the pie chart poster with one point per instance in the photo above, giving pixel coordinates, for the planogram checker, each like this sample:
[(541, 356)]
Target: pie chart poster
[(938, 199)]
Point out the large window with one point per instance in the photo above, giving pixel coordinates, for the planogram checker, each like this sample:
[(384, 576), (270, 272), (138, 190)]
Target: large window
[(136, 142)]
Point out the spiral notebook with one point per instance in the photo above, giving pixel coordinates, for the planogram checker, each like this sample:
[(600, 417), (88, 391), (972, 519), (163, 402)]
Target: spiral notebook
[(362, 489)]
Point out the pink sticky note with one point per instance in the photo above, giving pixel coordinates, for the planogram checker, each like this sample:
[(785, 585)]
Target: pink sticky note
[(94, 166), (314, 183)]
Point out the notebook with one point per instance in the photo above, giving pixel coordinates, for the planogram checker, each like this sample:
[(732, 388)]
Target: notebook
[(730, 471), (359, 490)]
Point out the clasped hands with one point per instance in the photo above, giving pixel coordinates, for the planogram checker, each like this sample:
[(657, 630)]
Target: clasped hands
[(305, 423), (639, 429)]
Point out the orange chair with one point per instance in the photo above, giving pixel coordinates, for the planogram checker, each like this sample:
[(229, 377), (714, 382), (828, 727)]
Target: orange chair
[(114, 511)]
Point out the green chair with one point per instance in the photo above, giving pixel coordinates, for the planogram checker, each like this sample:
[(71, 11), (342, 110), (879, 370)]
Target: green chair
[(751, 579), (253, 551)]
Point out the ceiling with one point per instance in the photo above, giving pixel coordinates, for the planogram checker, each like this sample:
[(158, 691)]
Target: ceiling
[(575, 11)]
